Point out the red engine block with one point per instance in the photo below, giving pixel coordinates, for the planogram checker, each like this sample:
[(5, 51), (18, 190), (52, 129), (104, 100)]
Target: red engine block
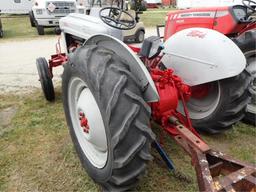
[(171, 89)]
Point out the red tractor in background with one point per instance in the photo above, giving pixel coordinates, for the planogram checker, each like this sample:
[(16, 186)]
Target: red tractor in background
[(237, 22)]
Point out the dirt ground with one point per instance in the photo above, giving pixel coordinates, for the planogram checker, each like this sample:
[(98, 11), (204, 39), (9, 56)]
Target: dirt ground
[(18, 73)]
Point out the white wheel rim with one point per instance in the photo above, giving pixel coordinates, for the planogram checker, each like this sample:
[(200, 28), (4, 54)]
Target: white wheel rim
[(201, 108), (93, 143)]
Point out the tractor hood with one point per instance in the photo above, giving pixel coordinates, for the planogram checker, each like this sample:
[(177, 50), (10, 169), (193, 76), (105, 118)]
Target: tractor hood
[(85, 26)]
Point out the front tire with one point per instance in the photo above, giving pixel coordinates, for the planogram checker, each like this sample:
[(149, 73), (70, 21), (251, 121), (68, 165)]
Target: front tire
[(45, 79), (222, 105), (57, 30), (118, 99), (40, 30)]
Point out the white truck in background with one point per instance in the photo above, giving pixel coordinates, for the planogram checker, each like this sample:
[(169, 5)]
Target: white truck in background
[(15, 6), (47, 13)]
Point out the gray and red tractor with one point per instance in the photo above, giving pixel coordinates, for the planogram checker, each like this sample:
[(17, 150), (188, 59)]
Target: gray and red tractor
[(237, 22), (113, 94)]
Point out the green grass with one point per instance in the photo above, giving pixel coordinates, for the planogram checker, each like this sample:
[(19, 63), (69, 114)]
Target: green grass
[(18, 27), (154, 17), (36, 152)]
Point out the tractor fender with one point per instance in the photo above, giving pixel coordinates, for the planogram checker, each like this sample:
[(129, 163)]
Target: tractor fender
[(200, 55), (136, 66)]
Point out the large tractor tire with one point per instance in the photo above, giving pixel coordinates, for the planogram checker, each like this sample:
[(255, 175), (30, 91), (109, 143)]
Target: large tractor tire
[(45, 79), (247, 44), (215, 107), (98, 88)]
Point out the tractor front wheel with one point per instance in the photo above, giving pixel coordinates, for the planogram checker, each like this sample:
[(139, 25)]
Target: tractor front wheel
[(107, 117), (214, 107), (45, 79)]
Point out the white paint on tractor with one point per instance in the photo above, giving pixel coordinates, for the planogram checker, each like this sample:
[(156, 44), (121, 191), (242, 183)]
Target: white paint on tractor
[(94, 143), (200, 55)]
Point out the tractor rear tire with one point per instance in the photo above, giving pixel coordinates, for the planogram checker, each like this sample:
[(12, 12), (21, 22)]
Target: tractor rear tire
[(124, 113), (248, 46), (227, 106), (45, 79)]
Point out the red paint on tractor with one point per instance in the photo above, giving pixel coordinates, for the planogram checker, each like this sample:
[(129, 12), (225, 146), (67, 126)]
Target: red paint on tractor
[(57, 59), (167, 92), (200, 91), (221, 19), (84, 122), (171, 89), (196, 33)]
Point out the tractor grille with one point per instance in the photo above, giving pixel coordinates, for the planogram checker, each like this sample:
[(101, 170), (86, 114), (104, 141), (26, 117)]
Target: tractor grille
[(63, 8)]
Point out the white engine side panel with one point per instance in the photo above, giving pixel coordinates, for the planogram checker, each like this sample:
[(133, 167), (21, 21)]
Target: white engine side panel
[(200, 55), (85, 26)]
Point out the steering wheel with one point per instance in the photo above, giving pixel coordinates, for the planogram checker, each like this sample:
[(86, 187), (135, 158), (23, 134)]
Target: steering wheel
[(247, 3), (117, 18)]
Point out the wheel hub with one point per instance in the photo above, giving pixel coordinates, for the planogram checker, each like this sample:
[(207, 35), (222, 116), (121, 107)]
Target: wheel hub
[(84, 122), (204, 100)]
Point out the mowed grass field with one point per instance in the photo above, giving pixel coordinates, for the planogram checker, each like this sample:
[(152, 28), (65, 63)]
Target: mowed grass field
[(36, 152), (18, 27)]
